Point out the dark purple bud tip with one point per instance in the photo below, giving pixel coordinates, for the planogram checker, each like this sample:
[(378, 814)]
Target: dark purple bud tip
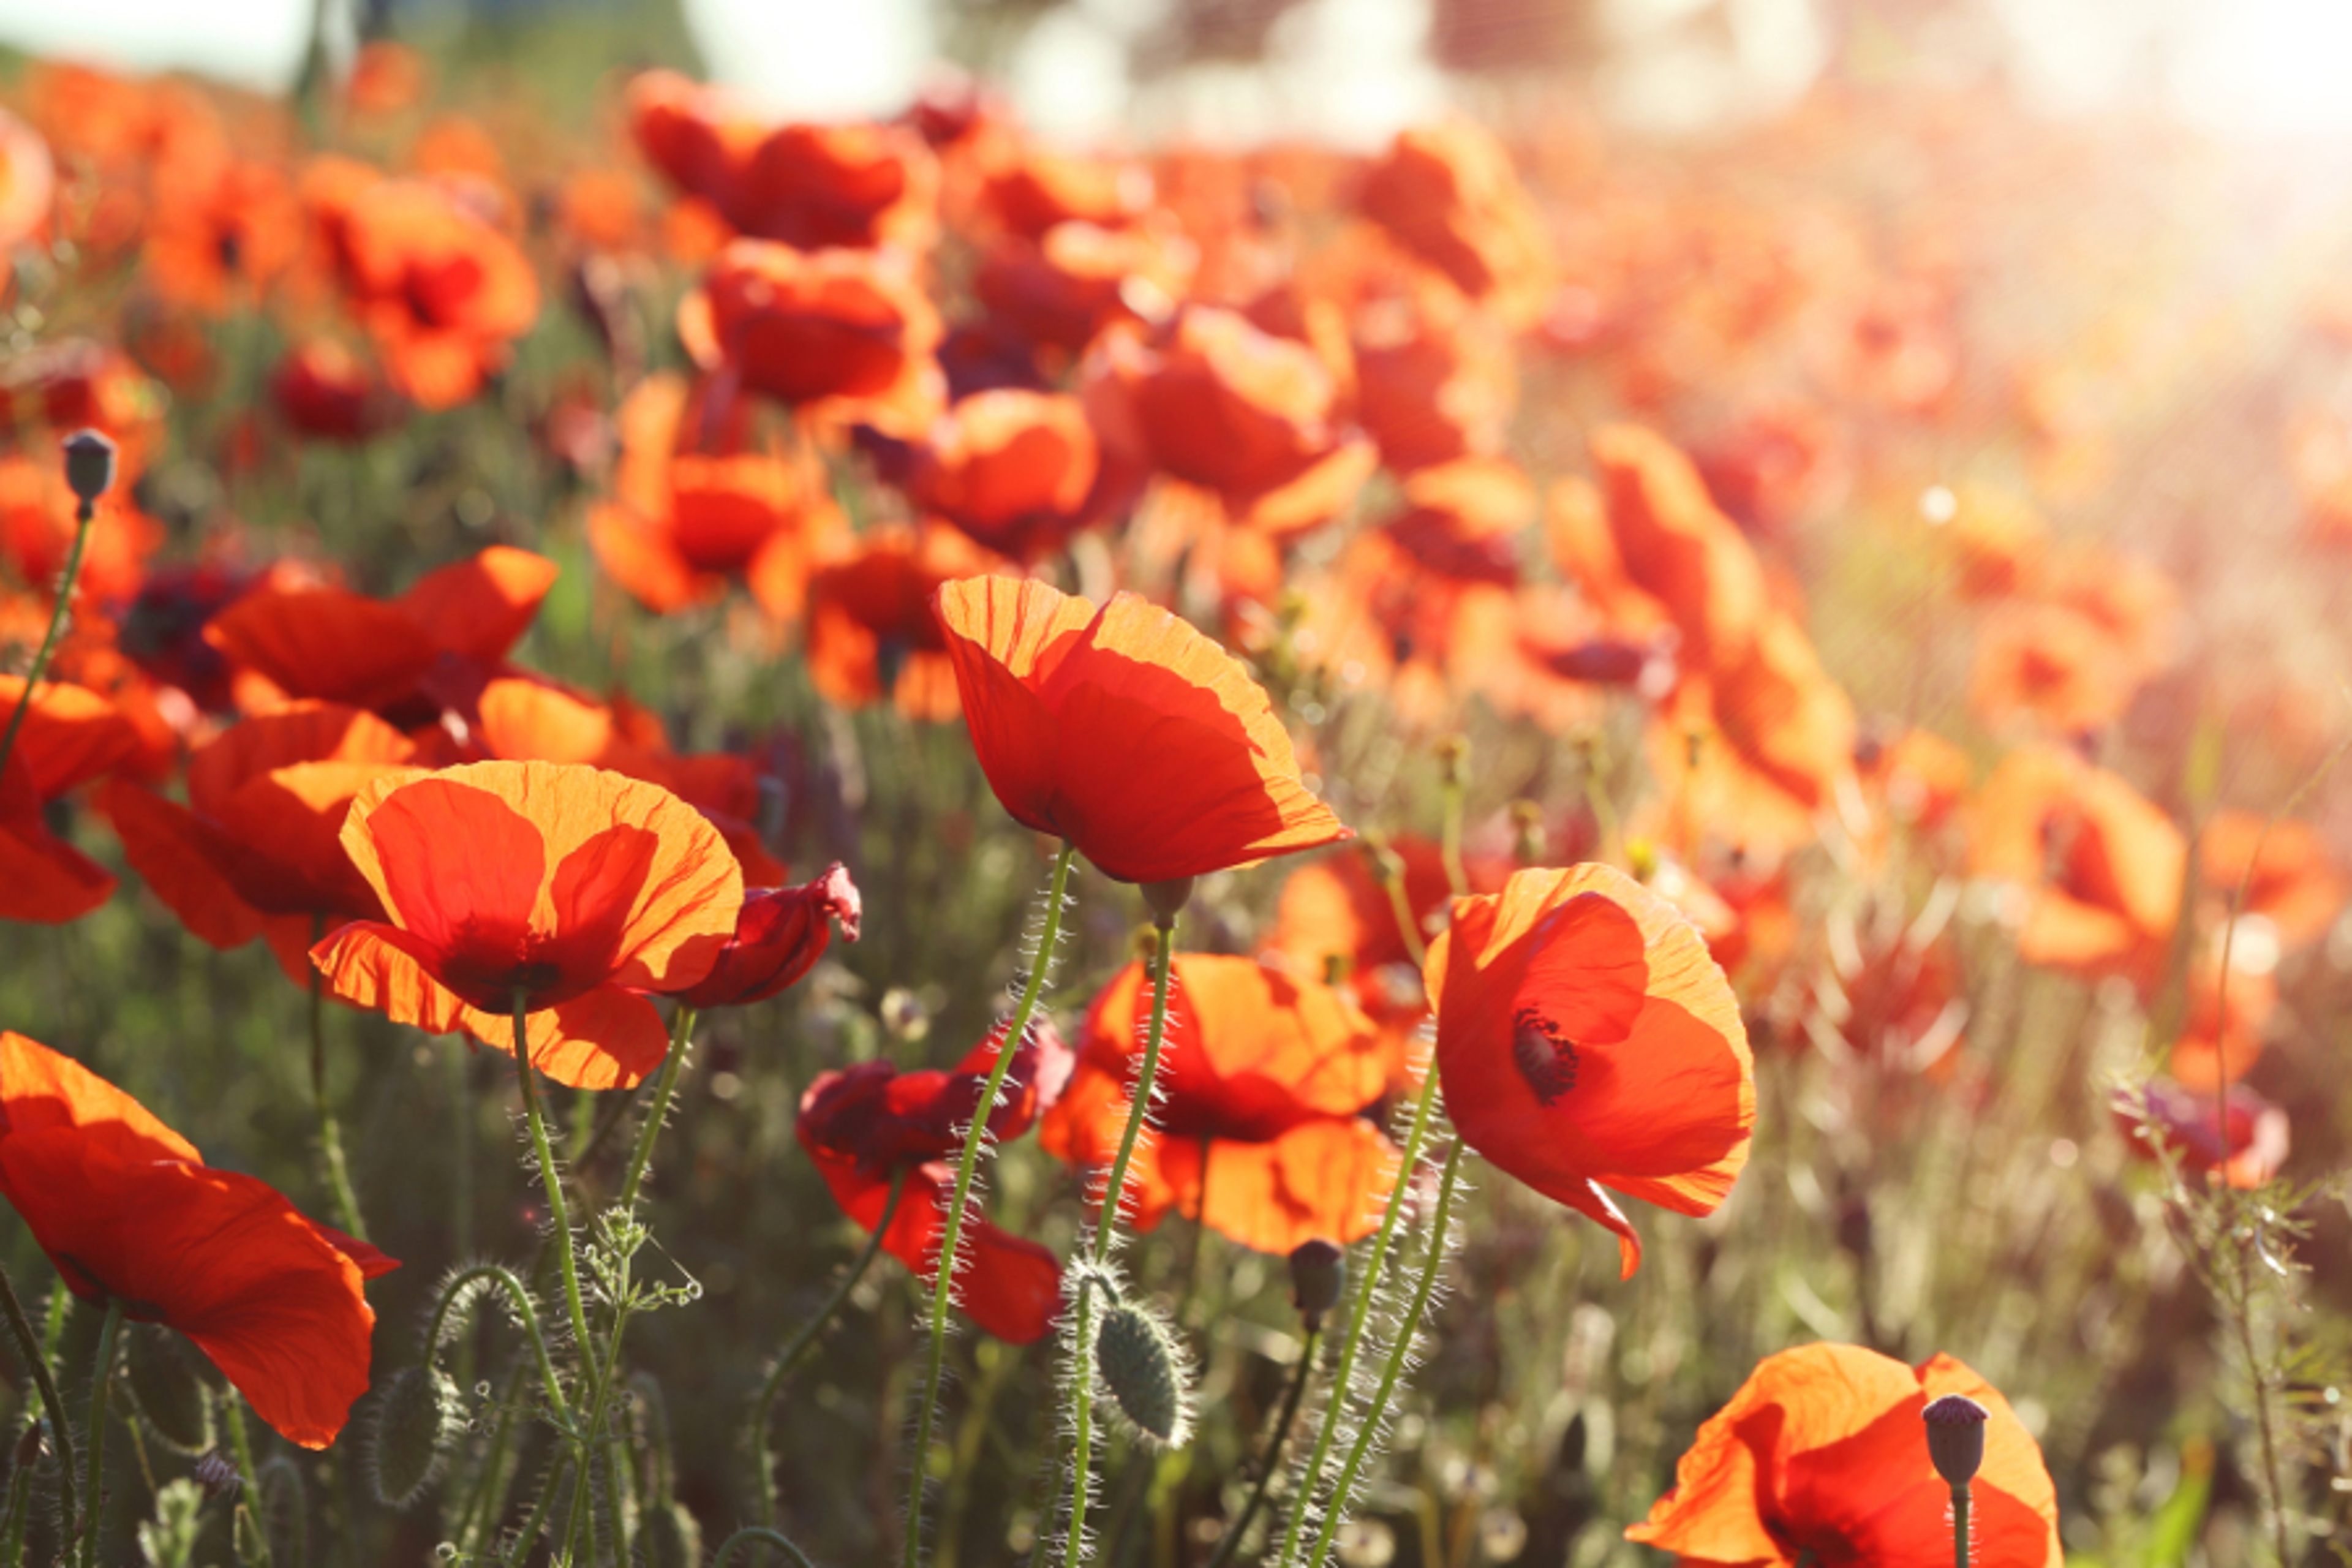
[(1955, 1437), (1318, 1276), (89, 465)]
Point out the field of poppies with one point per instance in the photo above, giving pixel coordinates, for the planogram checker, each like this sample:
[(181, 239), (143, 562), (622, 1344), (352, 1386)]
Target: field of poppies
[(1537, 848)]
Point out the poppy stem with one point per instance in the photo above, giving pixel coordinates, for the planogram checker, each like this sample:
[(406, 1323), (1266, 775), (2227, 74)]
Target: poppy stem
[(1292, 1398), (758, 1535), (681, 1036), (952, 1226), (102, 1384), (331, 1131), (85, 513), (459, 1290), (1454, 757), (802, 1341), (1334, 1410), (1399, 1352), (38, 1363), (20, 1502), (559, 1216), (1082, 1387), (249, 1481), (1960, 1525)]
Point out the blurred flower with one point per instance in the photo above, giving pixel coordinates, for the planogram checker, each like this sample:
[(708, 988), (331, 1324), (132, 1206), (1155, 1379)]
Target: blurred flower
[(1260, 1111), (2195, 1125), (1448, 193), (128, 1212), (70, 737), (324, 391), (562, 890), (1585, 1039), (1126, 731), (27, 181), (2295, 884), (1014, 470), (873, 633), (866, 1125), (1821, 1457)]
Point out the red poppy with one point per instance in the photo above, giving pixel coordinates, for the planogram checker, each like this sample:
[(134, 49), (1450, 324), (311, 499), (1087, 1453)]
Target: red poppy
[(2099, 864), (779, 937), (871, 1124), (843, 334), (37, 523), (2296, 885), (127, 1210), (258, 848), (1429, 389), (1265, 1084), (1448, 193), (578, 889), (1585, 1039), (2243, 1139), (2052, 664), (1821, 1457), (27, 180), (341, 647), (1013, 469), (1061, 289), (324, 391), (218, 246), (1126, 731), (872, 632), (71, 736)]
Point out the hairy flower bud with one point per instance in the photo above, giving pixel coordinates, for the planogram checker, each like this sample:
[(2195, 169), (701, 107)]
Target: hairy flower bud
[(1139, 1363), (416, 1423)]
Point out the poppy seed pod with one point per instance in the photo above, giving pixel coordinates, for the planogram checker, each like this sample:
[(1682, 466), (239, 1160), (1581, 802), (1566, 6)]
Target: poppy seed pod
[(1319, 1278), (1955, 1437), (89, 465)]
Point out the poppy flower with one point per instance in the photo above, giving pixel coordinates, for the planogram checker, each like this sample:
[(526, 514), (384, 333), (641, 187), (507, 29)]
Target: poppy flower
[(1431, 390), (71, 736), (27, 180), (1821, 1457), (258, 848), (2295, 885), (683, 520), (779, 937), (2243, 1137), (37, 523), (872, 632), (1261, 1109), (857, 185), (1061, 289), (1013, 469), (128, 1211), (219, 246), (576, 889), (2099, 864), (1033, 190), (323, 390), (1209, 399), (1126, 731), (872, 1123), (313, 641), (1447, 194), (843, 334), (1661, 537), (1585, 1039), (2052, 664)]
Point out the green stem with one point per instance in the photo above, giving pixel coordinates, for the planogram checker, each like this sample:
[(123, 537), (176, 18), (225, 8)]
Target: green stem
[(101, 1383), (38, 1363), (1291, 1400), (519, 1299), (804, 1341), (1960, 1525), (248, 1477), (966, 1166), (641, 1159), (559, 1215), (331, 1131), (1358, 1317), (1082, 1388), (84, 514), (529, 1536), (1400, 1353), (752, 1533), (20, 1508)]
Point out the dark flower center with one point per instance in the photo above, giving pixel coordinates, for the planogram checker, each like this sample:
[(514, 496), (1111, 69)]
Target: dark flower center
[(1546, 1057)]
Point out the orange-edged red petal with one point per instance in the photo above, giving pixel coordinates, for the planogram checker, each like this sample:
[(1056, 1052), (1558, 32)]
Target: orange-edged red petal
[(43, 878), (175, 851), (481, 608), (71, 736), (1318, 1180), (42, 1089), (325, 642)]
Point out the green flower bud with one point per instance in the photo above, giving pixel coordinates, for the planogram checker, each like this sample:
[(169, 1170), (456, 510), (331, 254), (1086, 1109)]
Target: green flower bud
[(1139, 1363), (416, 1424)]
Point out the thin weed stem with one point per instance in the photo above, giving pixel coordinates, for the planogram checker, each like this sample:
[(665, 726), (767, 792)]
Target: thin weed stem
[(331, 1131), (85, 513), (1292, 1398), (102, 1384)]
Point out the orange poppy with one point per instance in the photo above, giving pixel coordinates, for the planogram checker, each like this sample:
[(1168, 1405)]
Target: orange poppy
[(1260, 1110), (79, 385), (1032, 190), (872, 632), (27, 181), (835, 333), (2100, 866), (1126, 731), (2295, 885), (1821, 1457), (257, 846), (291, 642), (128, 1212), (871, 1124), (1585, 1039), (1664, 539), (575, 888), (683, 520), (1013, 469), (1213, 401), (71, 736), (219, 246), (2052, 664), (1448, 193), (37, 523)]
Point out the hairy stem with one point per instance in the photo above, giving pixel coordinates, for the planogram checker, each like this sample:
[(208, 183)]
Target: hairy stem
[(36, 1362), (248, 1474), (84, 515), (1292, 1398), (102, 1384), (559, 1215), (756, 1534), (519, 1300), (966, 1166), (641, 1158)]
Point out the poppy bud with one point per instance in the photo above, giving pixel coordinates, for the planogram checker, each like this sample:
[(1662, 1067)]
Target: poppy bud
[(779, 937), (1319, 1278), (89, 465), (1168, 899), (415, 1425), (1955, 1437), (1144, 1370), (169, 1392)]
